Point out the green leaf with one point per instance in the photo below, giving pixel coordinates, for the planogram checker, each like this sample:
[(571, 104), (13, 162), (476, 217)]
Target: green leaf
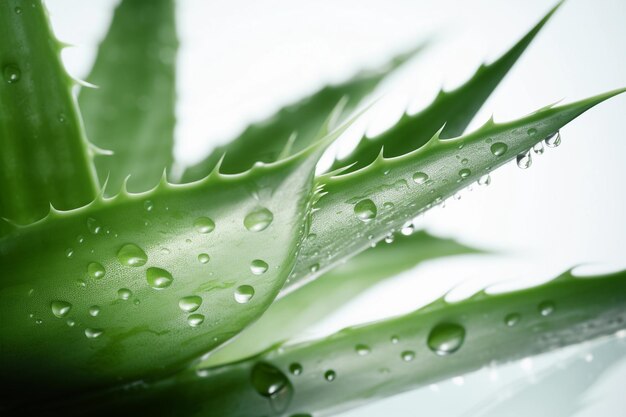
[(296, 126), (44, 156), (365, 363), (132, 111), (454, 109), (355, 209), (321, 298)]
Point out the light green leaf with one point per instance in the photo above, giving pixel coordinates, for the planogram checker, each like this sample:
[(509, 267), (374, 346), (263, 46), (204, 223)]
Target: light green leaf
[(132, 111)]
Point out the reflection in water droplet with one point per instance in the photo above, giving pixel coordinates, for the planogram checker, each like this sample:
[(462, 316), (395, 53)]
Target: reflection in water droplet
[(131, 255), (258, 220), (445, 339), (92, 333), (512, 319), (95, 270), (546, 308), (524, 160), (195, 320), (124, 294), (464, 173), (330, 375), (553, 140), (12, 73), (258, 267), (94, 311), (244, 293), (204, 225), (203, 258), (365, 210), (499, 148), (408, 355), (60, 308), (190, 303), (420, 177), (158, 278), (362, 349), (295, 369)]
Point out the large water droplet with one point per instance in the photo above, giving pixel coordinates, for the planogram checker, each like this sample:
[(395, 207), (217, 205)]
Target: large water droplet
[(132, 255), (553, 140), (190, 303), (203, 258), (538, 148), (94, 311), (60, 308), (524, 160), (93, 226), (124, 294), (158, 278), (258, 267), (244, 293), (258, 220), (12, 73), (92, 333), (445, 339), (95, 270), (499, 148), (512, 319), (464, 173), (546, 308), (365, 210), (420, 177), (362, 349), (330, 375), (295, 369), (408, 355), (204, 225), (194, 320)]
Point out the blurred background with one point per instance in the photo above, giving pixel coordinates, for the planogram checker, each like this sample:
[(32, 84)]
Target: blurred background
[(240, 61)]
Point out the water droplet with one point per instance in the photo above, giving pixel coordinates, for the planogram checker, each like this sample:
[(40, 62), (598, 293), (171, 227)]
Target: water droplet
[(258, 220), (408, 355), (203, 258), (12, 73), (61, 118), (60, 308), (445, 339), (69, 252), (190, 303), (18, 10), (389, 238), (80, 238), (365, 210), (244, 293), (387, 206), (204, 225), (95, 270), (330, 375), (546, 308), (295, 369), (93, 226), (524, 160), (124, 294), (81, 282), (538, 148), (532, 131), (148, 205), (512, 319), (407, 229), (38, 321), (395, 340), (94, 311), (258, 267), (194, 320), (158, 278), (464, 161), (132, 255), (269, 382), (485, 180), (553, 140), (362, 349), (70, 322), (420, 177), (464, 173), (499, 148), (92, 333)]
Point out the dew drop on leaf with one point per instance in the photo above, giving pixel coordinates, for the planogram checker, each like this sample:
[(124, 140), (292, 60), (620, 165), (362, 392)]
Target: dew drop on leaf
[(258, 267), (408, 355), (203, 258), (485, 180), (420, 177), (395, 340), (532, 131), (553, 140), (204, 225), (464, 173), (538, 148), (365, 210), (158, 278), (132, 255), (512, 319), (194, 320), (124, 294), (244, 293), (330, 375), (93, 226), (499, 148), (148, 205), (362, 349), (94, 311), (60, 309), (546, 308), (92, 333), (95, 270), (524, 160), (295, 369), (11, 73), (445, 339), (190, 303), (258, 220)]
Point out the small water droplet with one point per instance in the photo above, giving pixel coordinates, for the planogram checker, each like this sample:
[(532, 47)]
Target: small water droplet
[(38, 321), (524, 160), (204, 225), (538, 148), (148, 205), (407, 229), (194, 320), (190, 303), (420, 177), (408, 355), (92, 333), (295, 369), (95, 270), (314, 268), (268, 381), (388, 206), (485, 180), (258, 267), (70, 322), (512, 319), (60, 308), (94, 311), (132, 255), (464, 173), (395, 340), (158, 278), (93, 226), (389, 238), (365, 210), (258, 220), (12, 73), (464, 161), (553, 140), (18, 10), (69, 252), (499, 148), (330, 375), (203, 258), (61, 117), (244, 293), (81, 282), (80, 238), (532, 131), (124, 294), (362, 349), (546, 308), (445, 339)]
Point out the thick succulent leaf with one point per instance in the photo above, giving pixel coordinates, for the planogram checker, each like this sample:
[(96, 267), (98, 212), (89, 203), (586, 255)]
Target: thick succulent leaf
[(295, 126), (454, 109), (102, 293), (361, 207), (365, 363), (44, 156), (307, 306), (132, 111)]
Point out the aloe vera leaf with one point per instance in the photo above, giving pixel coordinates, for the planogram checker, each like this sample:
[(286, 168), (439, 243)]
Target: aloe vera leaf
[(138, 285), (355, 209), (321, 298), (455, 109), (435, 343), (131, 113), (266, 141), (44, 158)]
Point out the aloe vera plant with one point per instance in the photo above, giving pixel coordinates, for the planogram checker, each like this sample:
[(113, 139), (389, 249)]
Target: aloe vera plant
[(127, 291)]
